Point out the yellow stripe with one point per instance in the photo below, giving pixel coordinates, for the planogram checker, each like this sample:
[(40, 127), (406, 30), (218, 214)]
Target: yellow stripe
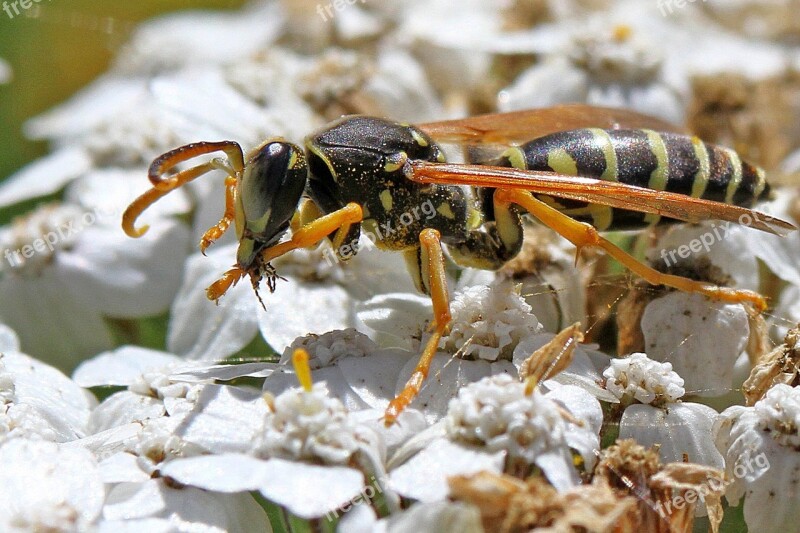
[(560, 161), (736, 179), (700, 182), (658, 179), (761, 183), (604, 143), (603, 216), (516, 157)]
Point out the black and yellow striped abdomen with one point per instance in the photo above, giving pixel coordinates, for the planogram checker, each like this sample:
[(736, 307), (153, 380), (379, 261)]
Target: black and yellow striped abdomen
[(661, 161)]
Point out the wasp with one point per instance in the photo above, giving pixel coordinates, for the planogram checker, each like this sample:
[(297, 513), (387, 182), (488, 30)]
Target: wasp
[(587, 169)]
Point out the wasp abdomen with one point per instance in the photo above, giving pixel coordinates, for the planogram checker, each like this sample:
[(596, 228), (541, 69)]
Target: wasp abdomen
[(660, 161)]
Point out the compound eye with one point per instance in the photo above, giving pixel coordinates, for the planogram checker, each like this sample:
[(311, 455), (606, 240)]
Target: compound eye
[(271, 188)]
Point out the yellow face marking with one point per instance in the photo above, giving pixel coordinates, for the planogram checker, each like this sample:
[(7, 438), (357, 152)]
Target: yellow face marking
[(445, 210), (260, 224), (700, 182), (516, 157), (419, 139), (658, 178), (386, 199), (293, 160), (736, 179), (563, 163), (603, 141)]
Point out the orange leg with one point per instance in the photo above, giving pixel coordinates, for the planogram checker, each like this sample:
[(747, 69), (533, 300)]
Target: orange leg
[(581, 234), (338, 222), (433, 273), (215, 232)]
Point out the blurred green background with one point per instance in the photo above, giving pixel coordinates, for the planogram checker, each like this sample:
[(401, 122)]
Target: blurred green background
[(54, 49)]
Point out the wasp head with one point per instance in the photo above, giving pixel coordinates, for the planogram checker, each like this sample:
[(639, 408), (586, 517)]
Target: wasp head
[(268, 194)]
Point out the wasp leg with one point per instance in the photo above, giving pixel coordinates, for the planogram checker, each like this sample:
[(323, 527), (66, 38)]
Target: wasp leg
[(215, 232), (581, 234), (338, 222), (433, 275)]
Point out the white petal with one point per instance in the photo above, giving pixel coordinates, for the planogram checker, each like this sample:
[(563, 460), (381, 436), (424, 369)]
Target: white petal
[(334, 379), (374, 378), (45, 176), (424, 476), (202, 37), (123, 408), (201, 330), (122, 468), (298, 308), (227, 472), (44, 485), (225, 419), (125, 277), (310, 491), (435, 517), (94, 105), (9, 342), (682, 430), (121, 367), (54, 323), (700, 337), (394, 319), (56, 398)]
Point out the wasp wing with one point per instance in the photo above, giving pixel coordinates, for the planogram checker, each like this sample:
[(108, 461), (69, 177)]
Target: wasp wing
[(518, 127), (595, 191)]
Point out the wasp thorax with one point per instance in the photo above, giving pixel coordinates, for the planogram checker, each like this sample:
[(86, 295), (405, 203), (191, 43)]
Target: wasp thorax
[(31, 242)]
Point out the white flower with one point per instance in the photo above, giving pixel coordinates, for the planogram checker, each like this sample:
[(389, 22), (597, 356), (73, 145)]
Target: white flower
[(47, 487), (488, 322), (760, 446), (642, 379), (301, 427), (154, 386), (309, 426), (65, 268), (681, 430), (493, 425), (39, 402)]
